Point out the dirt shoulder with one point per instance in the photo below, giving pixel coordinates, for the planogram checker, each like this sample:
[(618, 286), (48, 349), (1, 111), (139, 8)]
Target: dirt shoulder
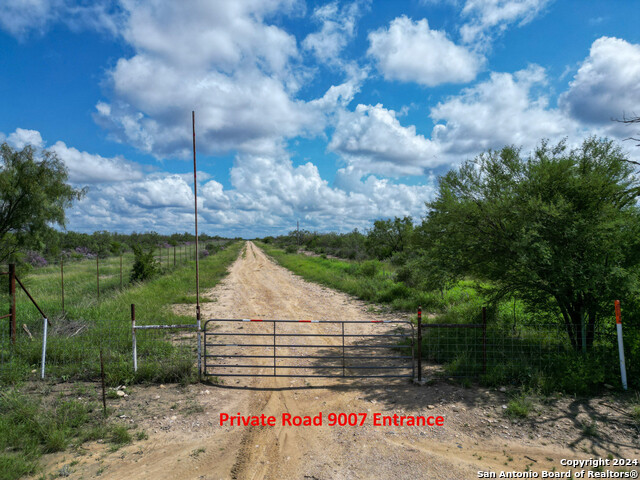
[(186, 439)]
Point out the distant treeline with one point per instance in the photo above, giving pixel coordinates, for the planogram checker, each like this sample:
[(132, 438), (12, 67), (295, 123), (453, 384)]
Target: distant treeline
[(389, 238), (103, 243)]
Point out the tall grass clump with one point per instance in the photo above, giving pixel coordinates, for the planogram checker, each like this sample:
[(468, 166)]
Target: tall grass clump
[(29, 429), (31, 426)]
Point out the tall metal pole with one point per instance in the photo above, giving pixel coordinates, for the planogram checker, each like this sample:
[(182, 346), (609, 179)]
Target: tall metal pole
[(195, 193)]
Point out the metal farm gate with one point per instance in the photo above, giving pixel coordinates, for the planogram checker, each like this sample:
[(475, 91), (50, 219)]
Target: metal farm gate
[(289, 348)]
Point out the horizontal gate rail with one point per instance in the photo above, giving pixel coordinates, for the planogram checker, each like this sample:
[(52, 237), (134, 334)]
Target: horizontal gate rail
[(310, 356), (163, 327), (302, 376), (357, 371), (306, 366), (316, 335), (304, 321), (298, 345)]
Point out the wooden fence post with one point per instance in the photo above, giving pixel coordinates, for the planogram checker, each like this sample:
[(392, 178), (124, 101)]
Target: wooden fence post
[(12, 293), (98, 276)]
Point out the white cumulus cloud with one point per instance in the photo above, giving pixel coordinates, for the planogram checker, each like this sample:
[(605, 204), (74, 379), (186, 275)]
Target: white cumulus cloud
[(240, 74), (487, 17), (504, 110), (607, 84), (412, 52), (371, 139), (85, 167), (22, 17), (338, 26), (23, 137)]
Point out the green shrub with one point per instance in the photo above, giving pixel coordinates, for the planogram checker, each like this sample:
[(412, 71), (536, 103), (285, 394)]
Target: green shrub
[(212, 248), (519, 407), (369, 268), (635, 413), (120, 436), (145, 266)]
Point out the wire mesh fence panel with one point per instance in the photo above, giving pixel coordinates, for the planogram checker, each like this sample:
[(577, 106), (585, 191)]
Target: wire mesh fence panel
[(539, 354), (452, 351)]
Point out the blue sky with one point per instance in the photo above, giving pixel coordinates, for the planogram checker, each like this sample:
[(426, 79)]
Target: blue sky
[(331, 113)]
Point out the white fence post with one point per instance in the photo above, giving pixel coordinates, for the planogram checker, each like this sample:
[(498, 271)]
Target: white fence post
[(133, 336), (44, 348), (623, 368)]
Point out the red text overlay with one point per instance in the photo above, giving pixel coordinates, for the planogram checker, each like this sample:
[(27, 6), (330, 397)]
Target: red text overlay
[(332, 420)]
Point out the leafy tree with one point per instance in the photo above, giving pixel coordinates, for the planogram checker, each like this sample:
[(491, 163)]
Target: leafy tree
[(34, 194), (560, 229), (116, 248), (389, 236)]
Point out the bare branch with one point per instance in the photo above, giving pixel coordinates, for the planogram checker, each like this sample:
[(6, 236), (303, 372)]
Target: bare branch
[(628, 121)]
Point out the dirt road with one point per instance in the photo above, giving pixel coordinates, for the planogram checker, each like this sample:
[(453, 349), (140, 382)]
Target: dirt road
[(186, 440)]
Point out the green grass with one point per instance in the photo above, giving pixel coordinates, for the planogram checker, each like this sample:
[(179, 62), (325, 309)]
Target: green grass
[(519, 407), (590, 429), (75, 339), (31, 426), (635, 413), (120, 436), (371, 280), (192, 299)]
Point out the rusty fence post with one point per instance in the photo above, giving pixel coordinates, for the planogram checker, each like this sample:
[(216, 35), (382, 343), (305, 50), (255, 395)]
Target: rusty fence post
[(174, 255), (484, 340), (120, 271), (199, 341), (420, 343), (104, 396), (62, 282), (12, 293)]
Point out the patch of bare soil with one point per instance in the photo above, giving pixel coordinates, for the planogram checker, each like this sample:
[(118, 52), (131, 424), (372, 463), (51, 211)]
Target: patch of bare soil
[(186, 440)]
